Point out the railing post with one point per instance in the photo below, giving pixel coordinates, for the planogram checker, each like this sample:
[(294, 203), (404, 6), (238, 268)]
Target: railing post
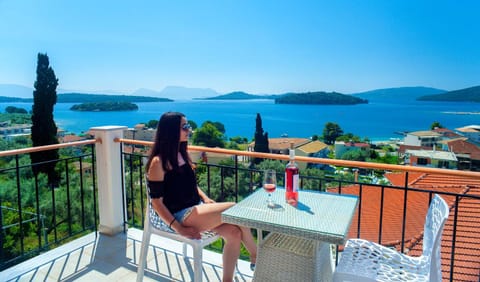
[(109, 179)]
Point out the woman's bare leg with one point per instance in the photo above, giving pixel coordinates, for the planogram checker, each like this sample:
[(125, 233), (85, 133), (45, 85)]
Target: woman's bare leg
[(249, 243), (231, 250), (207, 216)]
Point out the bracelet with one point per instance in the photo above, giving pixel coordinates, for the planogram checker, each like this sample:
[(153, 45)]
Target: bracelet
[(171, 222)]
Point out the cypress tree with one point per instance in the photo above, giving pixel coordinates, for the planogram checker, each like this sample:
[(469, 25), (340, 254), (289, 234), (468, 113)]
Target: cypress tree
[(261, 139), (44, 130)]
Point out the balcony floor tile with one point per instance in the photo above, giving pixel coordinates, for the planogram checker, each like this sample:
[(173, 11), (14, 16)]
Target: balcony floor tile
[(115, 258)]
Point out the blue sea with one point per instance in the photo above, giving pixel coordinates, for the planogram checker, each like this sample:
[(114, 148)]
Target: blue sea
[(375, 120)]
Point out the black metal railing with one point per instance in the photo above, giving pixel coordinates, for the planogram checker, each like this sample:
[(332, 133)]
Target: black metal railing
[(36, 216), (231, 180)]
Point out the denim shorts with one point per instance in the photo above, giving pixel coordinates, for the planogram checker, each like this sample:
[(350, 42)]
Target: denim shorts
[(181, 215)]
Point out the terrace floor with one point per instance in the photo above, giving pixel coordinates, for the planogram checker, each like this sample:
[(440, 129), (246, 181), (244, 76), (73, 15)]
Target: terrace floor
[(115, 258)]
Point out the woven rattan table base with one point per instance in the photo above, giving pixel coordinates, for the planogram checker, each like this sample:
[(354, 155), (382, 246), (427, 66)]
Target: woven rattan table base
[(288, 258)]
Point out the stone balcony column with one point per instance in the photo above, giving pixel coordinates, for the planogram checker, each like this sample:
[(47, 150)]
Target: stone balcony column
[(109, 179)]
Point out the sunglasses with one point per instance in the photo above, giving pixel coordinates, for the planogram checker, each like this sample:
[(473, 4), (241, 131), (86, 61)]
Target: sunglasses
[(186, 127)]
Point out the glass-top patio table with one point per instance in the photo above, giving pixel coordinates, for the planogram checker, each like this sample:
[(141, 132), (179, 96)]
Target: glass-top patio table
[(298, 246)]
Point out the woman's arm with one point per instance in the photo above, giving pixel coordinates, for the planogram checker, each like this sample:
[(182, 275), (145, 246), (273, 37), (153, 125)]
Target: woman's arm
[(168, 218), (164, 213), (204, 197), (157, 173)]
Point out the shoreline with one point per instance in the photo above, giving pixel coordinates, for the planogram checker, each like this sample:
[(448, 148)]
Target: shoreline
[(377, 122)]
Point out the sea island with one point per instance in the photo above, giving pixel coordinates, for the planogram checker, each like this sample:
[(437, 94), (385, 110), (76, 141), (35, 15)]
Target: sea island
[(321, 98), (104, 107)]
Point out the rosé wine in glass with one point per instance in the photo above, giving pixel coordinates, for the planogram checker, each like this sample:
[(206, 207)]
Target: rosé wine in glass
[(269, 187), (270, 184)]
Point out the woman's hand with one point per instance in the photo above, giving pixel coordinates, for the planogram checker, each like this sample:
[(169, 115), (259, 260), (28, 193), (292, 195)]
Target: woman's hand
[(207, 200), (204, 197)]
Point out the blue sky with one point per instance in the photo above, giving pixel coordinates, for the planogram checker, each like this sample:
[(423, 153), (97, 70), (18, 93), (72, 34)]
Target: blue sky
[(258, 46)]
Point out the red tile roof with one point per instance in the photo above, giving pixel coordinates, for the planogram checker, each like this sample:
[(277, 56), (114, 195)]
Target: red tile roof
[(71, 138), (447, 132), (467, 244), (284, 143), (459, 146)]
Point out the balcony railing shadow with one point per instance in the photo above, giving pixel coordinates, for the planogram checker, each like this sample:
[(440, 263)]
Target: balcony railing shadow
[(118, 190), (115, 258)]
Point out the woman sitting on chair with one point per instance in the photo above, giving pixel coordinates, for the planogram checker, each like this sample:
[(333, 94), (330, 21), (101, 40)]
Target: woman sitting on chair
[(179, 202)]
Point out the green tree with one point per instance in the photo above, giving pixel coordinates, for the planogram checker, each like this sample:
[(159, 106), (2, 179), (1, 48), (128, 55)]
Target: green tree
[(239, 140), (3, 145), (436, 124), (331, 132), (261, 139), (232, 145), (193, 124), (237, 143), (152, 123), (349, 137), (208, 135), (355, 155), (44, 130), (386, 159), (218, 125), (16, 118)]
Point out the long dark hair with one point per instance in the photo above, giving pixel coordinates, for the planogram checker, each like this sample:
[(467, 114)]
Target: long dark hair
[(167, 142)]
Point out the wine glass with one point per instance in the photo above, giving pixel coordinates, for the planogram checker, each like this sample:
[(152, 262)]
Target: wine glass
[(270, 184)]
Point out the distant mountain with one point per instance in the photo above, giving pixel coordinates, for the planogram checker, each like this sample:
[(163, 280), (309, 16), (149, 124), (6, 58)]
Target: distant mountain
[(101, 92), (471, 94), (4, 99), (172, 92), (147, 92), (239, 95), (15, 90), (86, 98), (320, 98), (185, 93), (400, 93), (96, 98)]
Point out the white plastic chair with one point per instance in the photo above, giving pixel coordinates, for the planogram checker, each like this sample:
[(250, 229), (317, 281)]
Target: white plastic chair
[(363, 260), (154, 225)]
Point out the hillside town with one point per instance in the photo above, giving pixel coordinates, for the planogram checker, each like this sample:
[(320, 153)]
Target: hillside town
[(438, 148)]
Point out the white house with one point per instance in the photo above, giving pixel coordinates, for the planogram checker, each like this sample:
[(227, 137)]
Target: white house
[(422, 138), (343, 147), (431, 158)]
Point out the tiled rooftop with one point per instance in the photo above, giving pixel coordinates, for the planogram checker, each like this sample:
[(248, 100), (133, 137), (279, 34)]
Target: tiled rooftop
[(115, 258), (277, 144), (467, 262), (313, 147)]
